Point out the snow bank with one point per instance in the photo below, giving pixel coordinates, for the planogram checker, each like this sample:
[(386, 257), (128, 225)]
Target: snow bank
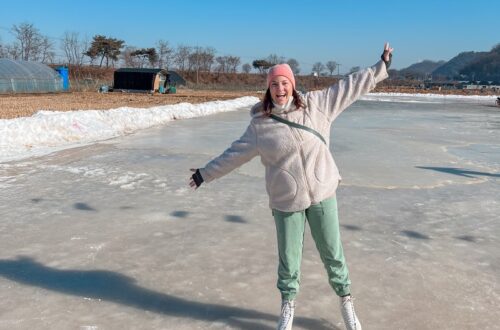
[(428, 98), (49, 131)]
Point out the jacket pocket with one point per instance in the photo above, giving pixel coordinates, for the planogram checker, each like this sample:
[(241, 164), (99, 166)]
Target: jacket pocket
[(281, 185), (324, 167)]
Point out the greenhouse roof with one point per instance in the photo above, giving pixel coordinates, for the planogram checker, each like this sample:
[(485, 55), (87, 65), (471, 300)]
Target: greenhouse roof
[(11, 69)]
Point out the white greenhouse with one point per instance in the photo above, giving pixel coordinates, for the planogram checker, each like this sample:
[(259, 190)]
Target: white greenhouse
[(28, 77)]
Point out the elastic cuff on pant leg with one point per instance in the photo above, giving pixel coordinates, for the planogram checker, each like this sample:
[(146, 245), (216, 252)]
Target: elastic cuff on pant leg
[(343, 290)]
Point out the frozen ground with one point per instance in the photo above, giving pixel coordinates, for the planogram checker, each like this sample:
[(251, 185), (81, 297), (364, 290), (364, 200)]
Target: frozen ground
[(107, 236)]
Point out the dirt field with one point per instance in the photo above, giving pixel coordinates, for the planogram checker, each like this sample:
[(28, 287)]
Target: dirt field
[(23, 105)]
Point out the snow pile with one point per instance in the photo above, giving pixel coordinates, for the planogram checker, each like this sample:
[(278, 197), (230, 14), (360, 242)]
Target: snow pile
[(429, 98), (48, 131)]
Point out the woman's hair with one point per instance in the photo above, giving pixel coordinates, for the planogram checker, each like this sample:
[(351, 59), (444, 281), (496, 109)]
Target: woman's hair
[(267, 102)]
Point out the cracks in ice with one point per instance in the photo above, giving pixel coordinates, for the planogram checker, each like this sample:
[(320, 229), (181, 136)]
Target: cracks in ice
[(128, 180)]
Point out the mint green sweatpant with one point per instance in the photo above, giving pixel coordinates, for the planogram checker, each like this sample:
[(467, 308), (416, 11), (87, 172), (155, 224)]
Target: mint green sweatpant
[(324, 224)]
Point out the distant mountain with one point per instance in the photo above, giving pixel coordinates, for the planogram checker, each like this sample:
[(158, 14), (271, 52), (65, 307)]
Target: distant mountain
[(478, 66), (420, 70), (486, 68), (452, 68)]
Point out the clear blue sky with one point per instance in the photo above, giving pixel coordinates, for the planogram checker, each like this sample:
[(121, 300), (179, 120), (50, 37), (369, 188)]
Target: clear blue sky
[(349, 32)]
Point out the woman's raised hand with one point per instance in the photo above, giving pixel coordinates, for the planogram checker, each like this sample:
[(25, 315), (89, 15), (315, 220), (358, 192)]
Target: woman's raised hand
[(386, 55)]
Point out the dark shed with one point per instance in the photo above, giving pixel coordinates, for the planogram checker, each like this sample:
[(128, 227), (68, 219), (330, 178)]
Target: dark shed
[(145, 79), (137, 79)]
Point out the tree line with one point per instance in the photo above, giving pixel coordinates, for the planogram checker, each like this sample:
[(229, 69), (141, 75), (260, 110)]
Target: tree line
[(31, 45)]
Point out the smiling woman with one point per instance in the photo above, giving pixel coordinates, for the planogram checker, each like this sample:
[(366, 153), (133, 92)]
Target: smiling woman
[(291, 133), (281, 91), (281, 82)]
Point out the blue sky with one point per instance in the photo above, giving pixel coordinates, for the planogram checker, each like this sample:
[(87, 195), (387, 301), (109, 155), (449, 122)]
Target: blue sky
[(351, 33)]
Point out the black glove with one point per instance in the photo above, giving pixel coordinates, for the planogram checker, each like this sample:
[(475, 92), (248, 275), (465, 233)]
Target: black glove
[(197, 178), (387, 63)]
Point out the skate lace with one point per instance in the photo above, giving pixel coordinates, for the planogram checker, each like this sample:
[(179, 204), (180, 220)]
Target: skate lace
[(286, 313), (348, 312)]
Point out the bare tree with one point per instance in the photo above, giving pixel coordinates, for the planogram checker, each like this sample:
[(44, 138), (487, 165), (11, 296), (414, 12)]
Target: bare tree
[(182, 56), (331, 66), (73, 48), (45, 51), (275, 59), (294, 65), (194, 59), (84, 44), (246, 68), (12, 51), (232, 63), (222, 63), (318, 68), (207, 59), (68, 43), (165, 54), (30, 45), (3, 51), (26, 35)]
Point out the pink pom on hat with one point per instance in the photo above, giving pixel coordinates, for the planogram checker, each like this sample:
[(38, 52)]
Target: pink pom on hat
[(280, 70)]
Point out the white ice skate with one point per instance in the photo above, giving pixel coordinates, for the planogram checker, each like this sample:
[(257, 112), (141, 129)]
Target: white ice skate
[(348, 313), (286, 317)]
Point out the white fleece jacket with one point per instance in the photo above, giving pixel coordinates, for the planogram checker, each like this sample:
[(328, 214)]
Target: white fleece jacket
[(300, 170)]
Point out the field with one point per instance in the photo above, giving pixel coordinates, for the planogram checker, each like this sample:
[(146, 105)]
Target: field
[(23, 105)]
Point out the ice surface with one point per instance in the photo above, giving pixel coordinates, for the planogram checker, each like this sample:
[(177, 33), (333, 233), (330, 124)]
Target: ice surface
[(108, 235)]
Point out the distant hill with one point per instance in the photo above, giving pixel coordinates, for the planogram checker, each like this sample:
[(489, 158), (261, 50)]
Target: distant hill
[(452, 68), (486, 68), (420, 70), (478, 66)]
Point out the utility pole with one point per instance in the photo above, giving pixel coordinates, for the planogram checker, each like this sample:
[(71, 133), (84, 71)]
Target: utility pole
[(197, 63)]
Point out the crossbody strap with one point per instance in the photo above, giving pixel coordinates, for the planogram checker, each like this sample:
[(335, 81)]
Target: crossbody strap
[(289, 123)]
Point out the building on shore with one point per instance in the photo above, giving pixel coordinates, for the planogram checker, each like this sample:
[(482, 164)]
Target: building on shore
[(29, 77), (147, 80)]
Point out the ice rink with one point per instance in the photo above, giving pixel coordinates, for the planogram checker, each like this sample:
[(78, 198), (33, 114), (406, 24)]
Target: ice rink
[(108, 235)]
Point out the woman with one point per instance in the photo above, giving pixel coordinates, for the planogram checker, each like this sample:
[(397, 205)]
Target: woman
[(291, 134)]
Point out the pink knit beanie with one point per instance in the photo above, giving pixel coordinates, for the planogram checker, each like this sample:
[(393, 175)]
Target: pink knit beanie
[(280, 70)]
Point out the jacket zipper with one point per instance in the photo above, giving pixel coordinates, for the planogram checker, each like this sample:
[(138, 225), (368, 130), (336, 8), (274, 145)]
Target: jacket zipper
[(302, 157)]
